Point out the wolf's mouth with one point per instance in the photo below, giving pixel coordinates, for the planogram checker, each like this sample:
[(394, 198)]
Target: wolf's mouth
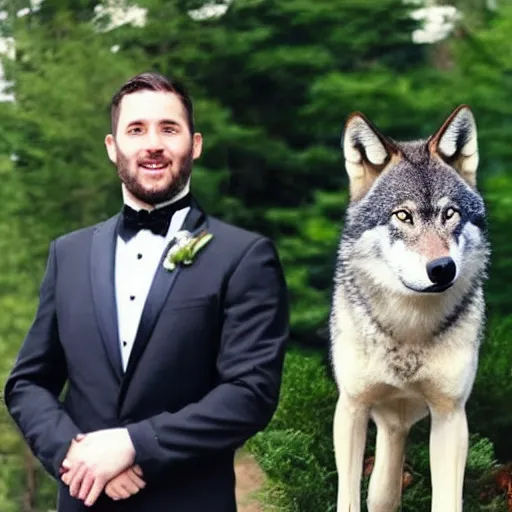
[(435, 288)]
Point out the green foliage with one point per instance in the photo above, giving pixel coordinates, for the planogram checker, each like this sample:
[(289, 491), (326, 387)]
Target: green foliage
[(295, 450), (19, 284), (308, 257), (498, 196), (489, 406)]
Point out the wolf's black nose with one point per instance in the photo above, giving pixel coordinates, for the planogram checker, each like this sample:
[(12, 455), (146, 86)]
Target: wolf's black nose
[(441, 271)]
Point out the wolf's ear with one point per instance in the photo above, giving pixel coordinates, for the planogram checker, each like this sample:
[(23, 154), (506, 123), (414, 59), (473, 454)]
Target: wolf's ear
[(367, 152), (456, 143)]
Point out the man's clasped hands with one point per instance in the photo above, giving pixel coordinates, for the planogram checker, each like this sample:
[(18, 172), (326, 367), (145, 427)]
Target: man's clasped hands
[(101, 460)]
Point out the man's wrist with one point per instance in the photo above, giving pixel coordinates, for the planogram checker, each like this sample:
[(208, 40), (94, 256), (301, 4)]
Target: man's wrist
[(144, 441), (129, 443)]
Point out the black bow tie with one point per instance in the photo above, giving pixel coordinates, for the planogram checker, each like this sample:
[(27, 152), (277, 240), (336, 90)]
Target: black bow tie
[(157, 220)]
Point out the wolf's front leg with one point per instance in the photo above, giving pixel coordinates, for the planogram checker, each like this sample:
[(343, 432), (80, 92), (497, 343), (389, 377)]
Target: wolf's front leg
[(350, 426), (448, 454)]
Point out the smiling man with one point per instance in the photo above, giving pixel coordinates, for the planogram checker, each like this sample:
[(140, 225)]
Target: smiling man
[(171, 366), (153, 153)]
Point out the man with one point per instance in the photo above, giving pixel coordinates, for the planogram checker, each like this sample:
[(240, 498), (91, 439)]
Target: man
[(171, 364)]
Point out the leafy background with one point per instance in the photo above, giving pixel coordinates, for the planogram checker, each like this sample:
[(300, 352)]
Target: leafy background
[(273, 82)]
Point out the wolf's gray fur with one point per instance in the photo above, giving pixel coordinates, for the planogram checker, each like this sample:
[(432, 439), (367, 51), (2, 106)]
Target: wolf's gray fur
[(408, 306)]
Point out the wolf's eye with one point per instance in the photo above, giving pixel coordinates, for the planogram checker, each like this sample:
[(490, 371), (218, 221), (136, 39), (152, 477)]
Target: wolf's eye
[(449, 213), (403, 216)]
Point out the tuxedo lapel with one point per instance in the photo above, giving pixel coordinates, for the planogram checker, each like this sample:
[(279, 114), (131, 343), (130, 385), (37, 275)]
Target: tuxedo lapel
[(103, 252), (161, 285)]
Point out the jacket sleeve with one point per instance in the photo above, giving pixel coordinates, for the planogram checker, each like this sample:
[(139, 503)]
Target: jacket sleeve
[(249, 364), (32, 389)]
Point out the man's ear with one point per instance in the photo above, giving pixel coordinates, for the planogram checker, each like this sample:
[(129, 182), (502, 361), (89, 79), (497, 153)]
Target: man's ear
[(197, 142), (110, 144), (367, 153), (456, 143)]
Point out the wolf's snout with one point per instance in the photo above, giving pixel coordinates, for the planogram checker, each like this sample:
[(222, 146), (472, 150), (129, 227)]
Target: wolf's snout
[(441, 271)]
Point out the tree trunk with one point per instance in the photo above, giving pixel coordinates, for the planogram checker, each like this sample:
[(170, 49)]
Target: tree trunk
[(31, 484)]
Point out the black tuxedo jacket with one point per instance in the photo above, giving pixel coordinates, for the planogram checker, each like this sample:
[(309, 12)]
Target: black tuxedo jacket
[(204, 374)]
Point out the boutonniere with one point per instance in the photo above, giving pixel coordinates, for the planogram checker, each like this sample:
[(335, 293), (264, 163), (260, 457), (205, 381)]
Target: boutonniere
[(185, 249)]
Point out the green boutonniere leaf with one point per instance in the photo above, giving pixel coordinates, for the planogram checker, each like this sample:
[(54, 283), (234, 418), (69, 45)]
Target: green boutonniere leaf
[(185, 249)]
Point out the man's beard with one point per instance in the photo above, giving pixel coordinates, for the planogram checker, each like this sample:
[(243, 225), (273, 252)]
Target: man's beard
[(157, 195)]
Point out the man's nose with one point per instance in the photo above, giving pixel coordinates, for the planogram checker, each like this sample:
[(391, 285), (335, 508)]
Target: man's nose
[(154, 141)]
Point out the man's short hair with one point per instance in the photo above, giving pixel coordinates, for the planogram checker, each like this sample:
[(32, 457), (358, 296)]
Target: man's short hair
[(151, 82)]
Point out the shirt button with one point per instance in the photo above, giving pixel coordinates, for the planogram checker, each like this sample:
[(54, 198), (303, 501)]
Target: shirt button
[(132, 297), (139, 256), (124, 343)]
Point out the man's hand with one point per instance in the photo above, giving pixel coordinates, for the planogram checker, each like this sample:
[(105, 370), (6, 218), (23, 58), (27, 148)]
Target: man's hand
[(94, 460), (71, 456), (128, 483)]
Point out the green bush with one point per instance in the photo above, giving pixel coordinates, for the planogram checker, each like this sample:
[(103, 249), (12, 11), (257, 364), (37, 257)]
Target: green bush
[(295, 451), (489, 411)]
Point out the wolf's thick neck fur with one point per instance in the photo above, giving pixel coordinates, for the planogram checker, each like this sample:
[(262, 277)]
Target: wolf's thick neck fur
[(407, 318)]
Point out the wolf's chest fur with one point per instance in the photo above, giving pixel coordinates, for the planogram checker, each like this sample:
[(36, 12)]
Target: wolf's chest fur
[(404, 345)]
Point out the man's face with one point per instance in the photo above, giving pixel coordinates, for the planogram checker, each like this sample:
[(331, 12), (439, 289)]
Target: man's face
[(153, 148)]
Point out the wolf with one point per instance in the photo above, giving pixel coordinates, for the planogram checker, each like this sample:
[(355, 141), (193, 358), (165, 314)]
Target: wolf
[(408, 308)]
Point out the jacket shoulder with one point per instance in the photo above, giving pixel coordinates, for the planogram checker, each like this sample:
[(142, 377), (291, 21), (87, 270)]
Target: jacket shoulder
[(235, 244), (236, 237), (78, 236)]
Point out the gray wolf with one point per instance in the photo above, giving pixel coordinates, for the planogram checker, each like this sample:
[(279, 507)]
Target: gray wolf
[(408, 307), (170, 368)]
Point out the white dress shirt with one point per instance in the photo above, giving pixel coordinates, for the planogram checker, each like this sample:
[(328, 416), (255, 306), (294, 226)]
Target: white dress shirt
[(135, 265)]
